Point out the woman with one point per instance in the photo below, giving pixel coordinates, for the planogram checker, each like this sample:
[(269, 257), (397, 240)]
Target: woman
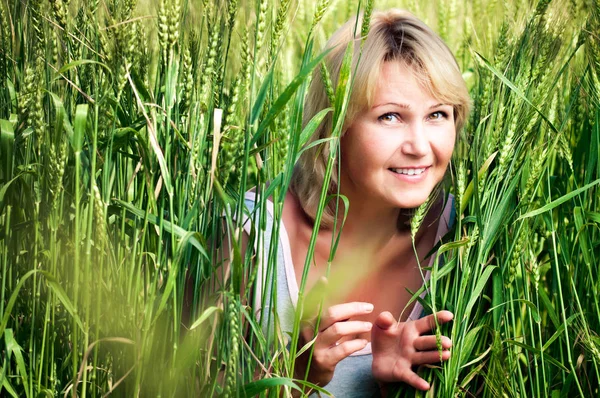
[(408, 103)]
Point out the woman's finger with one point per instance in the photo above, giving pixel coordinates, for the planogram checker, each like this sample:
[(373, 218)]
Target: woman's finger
[(428, 357), (307, 332), (385, 320), (427, 343), (427, 324), (332, 334), (415, 381), (341, 312), (346, 348)]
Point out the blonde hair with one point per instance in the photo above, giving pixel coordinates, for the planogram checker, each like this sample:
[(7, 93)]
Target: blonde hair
[(394, 35)]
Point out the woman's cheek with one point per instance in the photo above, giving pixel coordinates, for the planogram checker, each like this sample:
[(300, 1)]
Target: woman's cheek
[(446, 145)]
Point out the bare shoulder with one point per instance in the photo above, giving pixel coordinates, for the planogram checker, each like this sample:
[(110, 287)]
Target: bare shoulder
[(292, 215)]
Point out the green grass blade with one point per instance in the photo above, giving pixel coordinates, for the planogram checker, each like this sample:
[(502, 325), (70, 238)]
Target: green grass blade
[(13, 299), (63, 297), (205, 315), (12, 347), (261, 98), (515, 89), (311, 126), (9, 389), (285, 96), (80, 62), (475, 294), (559, 201), (254, 388), (192, 237)]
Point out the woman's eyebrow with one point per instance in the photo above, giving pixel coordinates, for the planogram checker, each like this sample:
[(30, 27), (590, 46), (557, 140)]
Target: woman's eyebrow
[(403, 106), (437, 105), (406, 106)]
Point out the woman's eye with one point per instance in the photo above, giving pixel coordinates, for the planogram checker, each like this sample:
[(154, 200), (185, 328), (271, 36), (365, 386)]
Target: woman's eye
[(439, 115), (389, 117)]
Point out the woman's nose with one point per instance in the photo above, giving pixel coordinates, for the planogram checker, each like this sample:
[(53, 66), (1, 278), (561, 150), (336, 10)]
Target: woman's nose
[(415, 140)]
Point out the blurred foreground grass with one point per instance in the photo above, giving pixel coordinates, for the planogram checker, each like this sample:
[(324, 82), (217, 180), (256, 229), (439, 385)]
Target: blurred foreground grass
[(127, 131)]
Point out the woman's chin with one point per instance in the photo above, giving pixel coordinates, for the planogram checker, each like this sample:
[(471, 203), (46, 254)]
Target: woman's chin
[(411, 202)]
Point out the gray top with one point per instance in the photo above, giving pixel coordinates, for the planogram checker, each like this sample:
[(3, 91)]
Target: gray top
[(352, 376)]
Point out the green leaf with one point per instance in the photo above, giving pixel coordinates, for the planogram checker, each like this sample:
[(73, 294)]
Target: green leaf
[(559, 201), (468, 345), (60, 109), (12, 347), (9, 388), (346, 202), (177, 265), (445, 270), (285, 96), (254, 388), (534, 311), (141, 87), (313, 144), (205, 315), (416, 296), (64, 299), (261, 97), (313, 387), (80, 62), (306, 347), (81, 115), (256, 328), (497, 298), (7, 139), (469, 190), (311, 126), (452, 245), (193, 238), (342, 91), (5, 187), (12, 93), (559, 331), (275, 183), (476, 371), (13, 299), (539, 353), (593, 216), (236, 264), (549, 308), (499, 215), (481, 282), (582, 234), (514, 88), (152, 138)]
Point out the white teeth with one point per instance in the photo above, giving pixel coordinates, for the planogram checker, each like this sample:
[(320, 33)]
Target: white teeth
[(410, 172)]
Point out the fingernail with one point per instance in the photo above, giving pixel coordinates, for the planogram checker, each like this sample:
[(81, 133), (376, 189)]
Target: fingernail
[(368, 307), (368, 325)]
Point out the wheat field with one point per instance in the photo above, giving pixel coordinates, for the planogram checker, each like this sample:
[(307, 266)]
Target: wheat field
[(130, 130)]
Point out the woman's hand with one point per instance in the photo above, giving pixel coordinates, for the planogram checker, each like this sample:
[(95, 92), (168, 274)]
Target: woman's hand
[(334, 340), (398, 346)]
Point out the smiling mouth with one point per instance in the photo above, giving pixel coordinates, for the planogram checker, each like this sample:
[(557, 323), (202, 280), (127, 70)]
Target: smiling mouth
[(410, 172)]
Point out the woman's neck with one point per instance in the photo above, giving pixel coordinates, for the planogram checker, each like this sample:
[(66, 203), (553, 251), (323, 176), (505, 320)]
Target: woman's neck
[(376, 226)]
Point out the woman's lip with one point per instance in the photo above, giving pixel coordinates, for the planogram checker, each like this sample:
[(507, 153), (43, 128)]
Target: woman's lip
[(411, 167), (411, 178)]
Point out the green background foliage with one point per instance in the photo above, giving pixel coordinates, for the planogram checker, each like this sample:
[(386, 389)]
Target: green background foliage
[(130, 131)]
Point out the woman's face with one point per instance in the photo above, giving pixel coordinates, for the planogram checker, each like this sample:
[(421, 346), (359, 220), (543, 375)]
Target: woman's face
[(395, 153)]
